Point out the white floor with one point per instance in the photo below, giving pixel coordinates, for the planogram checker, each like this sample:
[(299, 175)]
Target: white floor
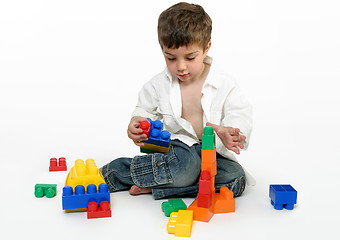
[(69, 81), (25, 161)]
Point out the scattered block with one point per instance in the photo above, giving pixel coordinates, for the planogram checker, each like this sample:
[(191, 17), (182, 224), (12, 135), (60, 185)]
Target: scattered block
[(48, 190), (173, 205), (56, 165), (282, 196), (180, 223)]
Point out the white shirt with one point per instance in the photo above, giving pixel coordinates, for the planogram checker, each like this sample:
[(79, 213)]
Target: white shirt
[(222, 102)]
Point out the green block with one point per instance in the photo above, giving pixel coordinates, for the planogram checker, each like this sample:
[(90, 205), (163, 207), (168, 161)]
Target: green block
[(48, 190), (173, 205), (145, 150), (208, 138)]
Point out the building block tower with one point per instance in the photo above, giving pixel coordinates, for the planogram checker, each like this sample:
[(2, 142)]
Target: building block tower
[(209, 202), (85, 190), (158, 139)]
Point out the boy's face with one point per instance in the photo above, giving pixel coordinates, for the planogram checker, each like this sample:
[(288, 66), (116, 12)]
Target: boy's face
[(186, 62)]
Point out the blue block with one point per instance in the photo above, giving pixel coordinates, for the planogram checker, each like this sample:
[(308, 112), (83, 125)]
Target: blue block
[(157, 136), (80, 199), (282, 196)]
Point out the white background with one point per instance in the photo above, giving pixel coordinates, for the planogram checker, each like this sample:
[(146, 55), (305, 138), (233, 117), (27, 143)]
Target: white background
[(70, 72)]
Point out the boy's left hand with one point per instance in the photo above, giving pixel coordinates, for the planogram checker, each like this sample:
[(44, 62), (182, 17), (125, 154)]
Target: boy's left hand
[(230, 137)]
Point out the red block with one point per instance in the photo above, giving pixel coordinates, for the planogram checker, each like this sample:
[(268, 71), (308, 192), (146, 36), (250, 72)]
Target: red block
[(205, 183), (145, 126), (93, 211), (204, 200), (58, 166)]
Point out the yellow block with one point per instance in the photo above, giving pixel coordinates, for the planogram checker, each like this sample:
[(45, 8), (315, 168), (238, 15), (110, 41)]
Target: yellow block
[(156, 148), (180, 223), (84, 174)]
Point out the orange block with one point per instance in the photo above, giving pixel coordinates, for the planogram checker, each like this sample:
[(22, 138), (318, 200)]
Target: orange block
[(201, 214), (208, 162), (224, 201)]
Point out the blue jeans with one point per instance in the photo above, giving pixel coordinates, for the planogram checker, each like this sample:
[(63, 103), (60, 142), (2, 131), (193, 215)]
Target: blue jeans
[(172, 174)]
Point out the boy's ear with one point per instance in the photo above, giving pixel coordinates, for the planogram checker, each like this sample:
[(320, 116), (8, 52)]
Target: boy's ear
[(207, 47)]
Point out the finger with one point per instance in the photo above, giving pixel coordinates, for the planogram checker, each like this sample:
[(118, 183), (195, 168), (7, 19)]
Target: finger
[(235, 132), (136, 130), (137, 137), (239, 138), (215, 127), (140, 144), (242, 138), (236, 150)]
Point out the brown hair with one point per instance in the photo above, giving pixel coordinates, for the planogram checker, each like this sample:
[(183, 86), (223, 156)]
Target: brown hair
[(183, 24)]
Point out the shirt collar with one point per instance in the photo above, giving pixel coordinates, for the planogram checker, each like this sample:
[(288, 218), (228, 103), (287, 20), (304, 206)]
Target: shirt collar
[(209, 81), (212, 79)]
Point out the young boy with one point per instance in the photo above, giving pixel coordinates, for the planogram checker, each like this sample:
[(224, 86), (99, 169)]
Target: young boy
[(188, 95)]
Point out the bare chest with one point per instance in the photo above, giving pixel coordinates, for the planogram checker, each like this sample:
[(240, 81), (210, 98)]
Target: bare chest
[(192, 109)]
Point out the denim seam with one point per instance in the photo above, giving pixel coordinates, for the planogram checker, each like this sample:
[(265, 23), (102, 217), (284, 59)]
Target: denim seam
[(106, 178)]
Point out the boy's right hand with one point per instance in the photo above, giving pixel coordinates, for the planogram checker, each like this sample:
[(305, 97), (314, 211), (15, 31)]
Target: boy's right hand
[(135, 133)]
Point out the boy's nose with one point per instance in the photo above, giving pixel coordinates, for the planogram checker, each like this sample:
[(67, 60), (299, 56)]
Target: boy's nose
[(181, 66)]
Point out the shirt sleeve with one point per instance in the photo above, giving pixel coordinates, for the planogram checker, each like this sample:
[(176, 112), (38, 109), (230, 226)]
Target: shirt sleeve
[(147, 102), (238, 113)]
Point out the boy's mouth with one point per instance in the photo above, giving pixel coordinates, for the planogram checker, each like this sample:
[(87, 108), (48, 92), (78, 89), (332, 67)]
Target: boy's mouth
[(183, 75)]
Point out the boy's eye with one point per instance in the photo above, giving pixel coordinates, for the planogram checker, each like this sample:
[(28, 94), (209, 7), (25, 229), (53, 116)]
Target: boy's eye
[(191, 58), (171, 59)]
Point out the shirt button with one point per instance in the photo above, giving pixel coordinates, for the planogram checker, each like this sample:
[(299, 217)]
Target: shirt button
[(158, 164)]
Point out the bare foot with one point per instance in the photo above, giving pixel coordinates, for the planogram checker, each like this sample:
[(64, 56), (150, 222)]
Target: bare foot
[(135, 190)]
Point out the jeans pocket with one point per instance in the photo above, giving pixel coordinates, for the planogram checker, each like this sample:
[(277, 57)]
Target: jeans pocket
[(161, 171), (151, 170)]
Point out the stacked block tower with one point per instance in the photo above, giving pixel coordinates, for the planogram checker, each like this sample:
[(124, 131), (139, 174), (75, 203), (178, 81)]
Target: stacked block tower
[(158, 139), (85, 189), (209, 202)]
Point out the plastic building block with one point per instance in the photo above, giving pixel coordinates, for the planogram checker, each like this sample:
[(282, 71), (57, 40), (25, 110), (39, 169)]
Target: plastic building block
[(81, 174), (205, 183), (173, 205), (180, 223), (93, 211), (48, 190), (151, 148), (204, 196), (224, 201), (58, 166), (145, 126), (201, 214), (80, 199), (282, 196), (157, 136), (208, 161), (208, 138), (204, 200)]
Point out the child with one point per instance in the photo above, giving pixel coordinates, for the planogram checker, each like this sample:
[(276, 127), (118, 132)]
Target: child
[(188, 95)]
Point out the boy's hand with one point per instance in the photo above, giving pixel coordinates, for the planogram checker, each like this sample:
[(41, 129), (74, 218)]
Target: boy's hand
[(230, 137), (135, 133)]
